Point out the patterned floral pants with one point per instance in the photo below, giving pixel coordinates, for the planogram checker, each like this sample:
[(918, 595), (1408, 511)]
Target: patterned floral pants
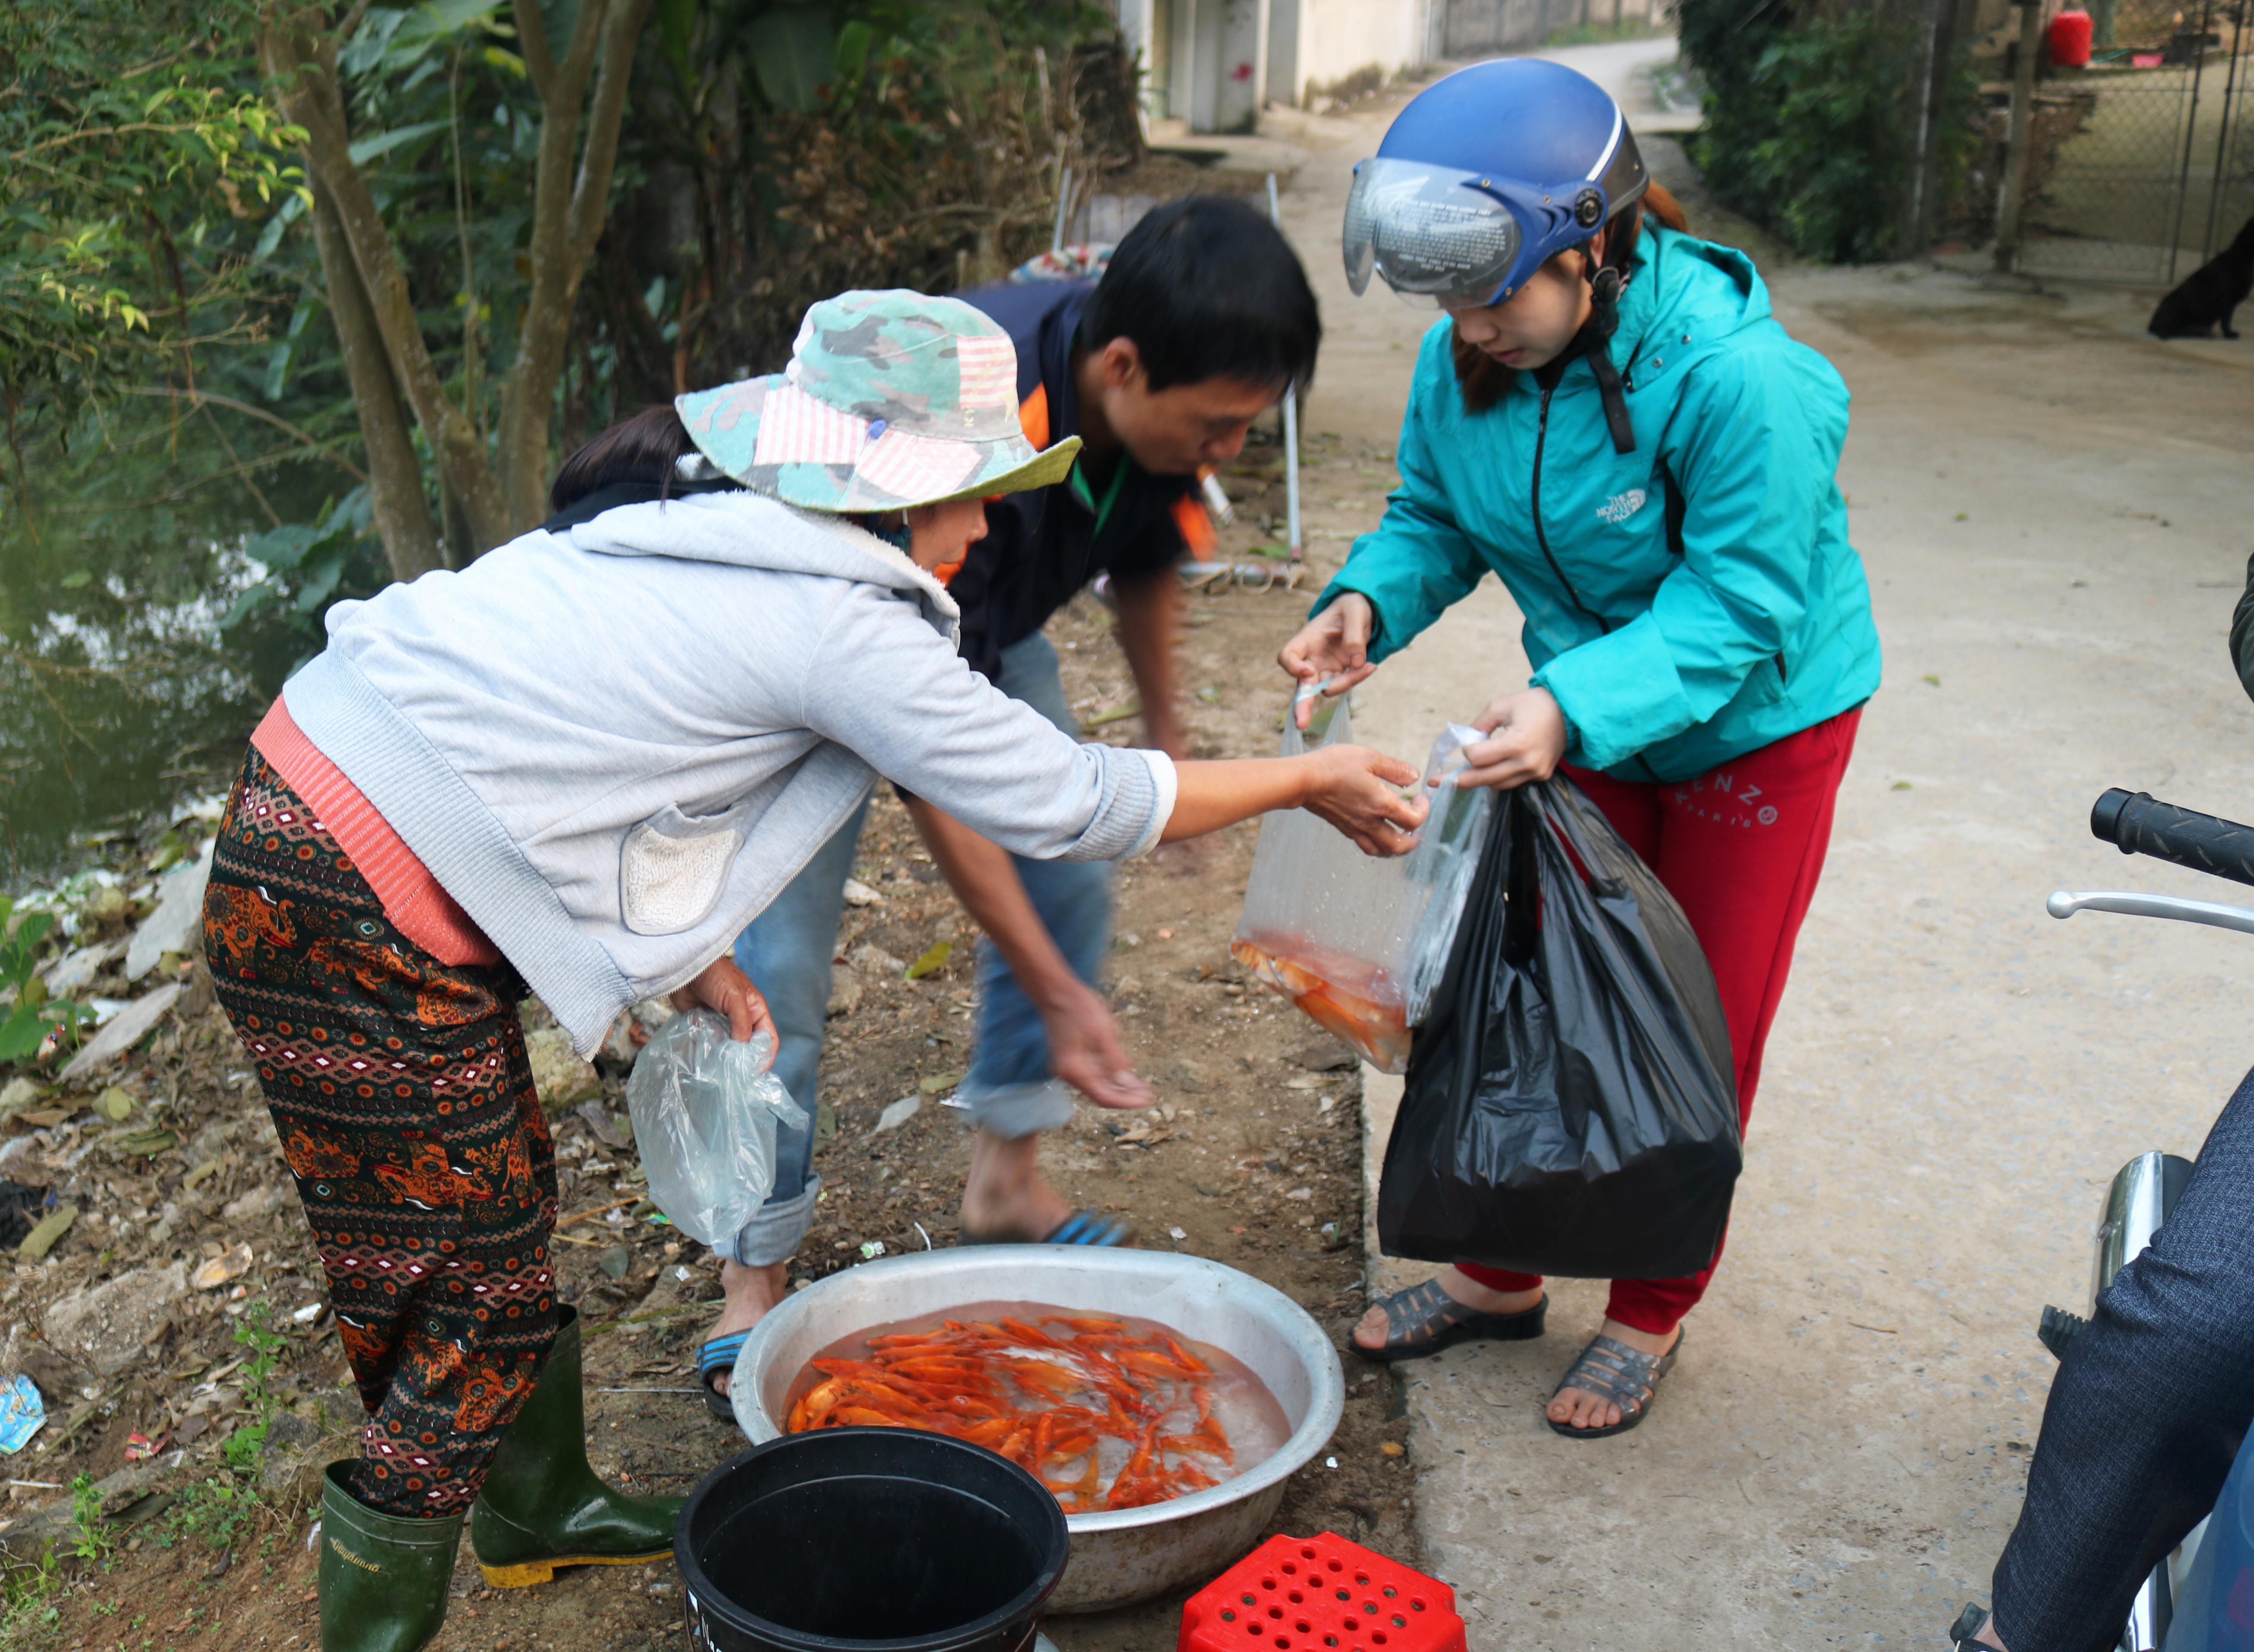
[(404, 1102)]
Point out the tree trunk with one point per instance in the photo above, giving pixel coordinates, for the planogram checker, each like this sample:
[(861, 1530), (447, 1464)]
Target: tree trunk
[(301, 53), (395, 475), (500, 497), (569, 212)]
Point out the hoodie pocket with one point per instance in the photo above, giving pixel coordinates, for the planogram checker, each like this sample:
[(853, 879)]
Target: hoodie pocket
[(673, 869)]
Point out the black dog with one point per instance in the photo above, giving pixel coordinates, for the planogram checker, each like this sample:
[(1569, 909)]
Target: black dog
[(2209, 293)]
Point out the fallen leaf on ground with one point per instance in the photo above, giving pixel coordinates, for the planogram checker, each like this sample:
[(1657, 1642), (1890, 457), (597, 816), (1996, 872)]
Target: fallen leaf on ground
[(214, 1271), (42, 1239)]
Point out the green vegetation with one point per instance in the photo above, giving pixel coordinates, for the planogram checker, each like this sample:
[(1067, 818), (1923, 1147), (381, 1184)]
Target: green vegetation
[(28, 1612), (208, 1511), (1812, 119), (26, 1022), (93, 1539), (298, 299), (245, 1449)]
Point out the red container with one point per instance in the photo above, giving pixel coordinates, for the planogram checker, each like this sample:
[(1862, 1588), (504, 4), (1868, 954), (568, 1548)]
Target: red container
[(1321, 1595), (2069, 39)]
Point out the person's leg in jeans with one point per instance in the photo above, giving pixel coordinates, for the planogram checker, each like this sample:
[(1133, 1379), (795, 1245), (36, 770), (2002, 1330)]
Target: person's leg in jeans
[(786, 952), (2145, 1417), (1011, 1090)]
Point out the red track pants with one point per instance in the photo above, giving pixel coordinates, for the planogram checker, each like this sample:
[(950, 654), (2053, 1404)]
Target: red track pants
[(1741, 848)]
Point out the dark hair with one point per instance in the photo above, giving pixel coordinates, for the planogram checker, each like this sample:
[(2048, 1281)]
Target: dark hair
[(1206, 288), (644, 447), (1483, 379)]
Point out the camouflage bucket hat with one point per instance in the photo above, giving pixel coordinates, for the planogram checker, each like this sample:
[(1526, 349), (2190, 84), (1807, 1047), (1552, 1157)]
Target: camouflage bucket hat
[(891, 400)]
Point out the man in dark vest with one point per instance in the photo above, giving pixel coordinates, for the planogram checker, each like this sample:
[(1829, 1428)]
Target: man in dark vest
[(1200, 324)]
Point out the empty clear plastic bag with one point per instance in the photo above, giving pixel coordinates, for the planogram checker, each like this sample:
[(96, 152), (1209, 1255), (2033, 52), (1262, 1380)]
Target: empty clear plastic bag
[(1358, 943), (705, 1109)]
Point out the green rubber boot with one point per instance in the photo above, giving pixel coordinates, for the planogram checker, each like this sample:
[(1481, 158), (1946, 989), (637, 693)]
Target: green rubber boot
[(383, 1577), (542, 1507)]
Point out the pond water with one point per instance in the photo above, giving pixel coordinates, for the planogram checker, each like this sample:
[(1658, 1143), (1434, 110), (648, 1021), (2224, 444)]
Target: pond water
[(121, 692)]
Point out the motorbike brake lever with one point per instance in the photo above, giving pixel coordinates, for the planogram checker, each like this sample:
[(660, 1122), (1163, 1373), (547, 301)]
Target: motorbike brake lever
[(2066, 903)]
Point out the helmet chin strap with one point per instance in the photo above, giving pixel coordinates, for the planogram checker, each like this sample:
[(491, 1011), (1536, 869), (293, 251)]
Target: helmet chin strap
[(1595, 340)]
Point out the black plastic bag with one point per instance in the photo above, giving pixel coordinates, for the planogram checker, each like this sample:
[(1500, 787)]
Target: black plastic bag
[(1570, 1106)]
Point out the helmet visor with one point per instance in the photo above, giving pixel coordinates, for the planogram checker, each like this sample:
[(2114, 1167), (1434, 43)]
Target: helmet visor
[(1434, 235)]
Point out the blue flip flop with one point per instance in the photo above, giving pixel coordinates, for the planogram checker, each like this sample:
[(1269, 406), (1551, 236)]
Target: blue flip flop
[(1082, 1227), (717, 1358)]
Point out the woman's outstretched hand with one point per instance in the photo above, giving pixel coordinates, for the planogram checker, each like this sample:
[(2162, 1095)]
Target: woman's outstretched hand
[(1358, 790), (1528, 743), (1334, 644), (727, 989)]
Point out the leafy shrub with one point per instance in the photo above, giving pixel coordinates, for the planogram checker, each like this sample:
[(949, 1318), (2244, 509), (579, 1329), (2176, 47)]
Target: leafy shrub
[(1811, 121), (25, 1024), (245, 1449)]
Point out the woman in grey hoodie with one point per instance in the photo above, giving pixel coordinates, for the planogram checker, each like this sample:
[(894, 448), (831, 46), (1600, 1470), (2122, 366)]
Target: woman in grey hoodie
[(578, 767)]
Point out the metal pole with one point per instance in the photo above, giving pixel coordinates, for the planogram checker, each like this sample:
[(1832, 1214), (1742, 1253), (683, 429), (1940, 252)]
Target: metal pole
[(2191, 134), (1914, 239), (2016, 143), (1064, 207), (2223, 132), (1291, 424)]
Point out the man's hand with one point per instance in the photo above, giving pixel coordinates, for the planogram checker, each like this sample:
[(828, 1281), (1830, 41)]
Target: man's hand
[(1086, 1050), (1529, 743), (1357, 791), (726, 988), (1334, 644)]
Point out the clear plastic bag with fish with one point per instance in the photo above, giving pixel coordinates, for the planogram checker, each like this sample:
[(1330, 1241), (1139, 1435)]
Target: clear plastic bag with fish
[(1360, 944), (705, 1112)]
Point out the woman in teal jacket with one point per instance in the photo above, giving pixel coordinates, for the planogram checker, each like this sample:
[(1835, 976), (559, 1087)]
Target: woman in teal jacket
[(1611, 420)]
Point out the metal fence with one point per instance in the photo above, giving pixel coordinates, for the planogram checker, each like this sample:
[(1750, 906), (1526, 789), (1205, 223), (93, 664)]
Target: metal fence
[(1482, 28), (2154, 165)]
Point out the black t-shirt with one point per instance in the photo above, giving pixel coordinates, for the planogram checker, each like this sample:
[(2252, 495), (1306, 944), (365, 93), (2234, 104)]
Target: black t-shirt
[(1041, 547)]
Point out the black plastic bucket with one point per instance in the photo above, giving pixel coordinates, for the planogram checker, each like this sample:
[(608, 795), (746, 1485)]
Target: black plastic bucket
[(869, 1538)]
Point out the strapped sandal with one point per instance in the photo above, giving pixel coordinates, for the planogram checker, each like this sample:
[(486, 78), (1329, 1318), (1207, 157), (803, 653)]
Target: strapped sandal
[(1082, 1227), (1613, 1370), (717, 1358), (1424, 1318)]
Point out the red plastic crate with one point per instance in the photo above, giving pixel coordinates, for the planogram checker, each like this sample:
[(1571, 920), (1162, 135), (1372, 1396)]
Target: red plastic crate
[(1321, 1595)]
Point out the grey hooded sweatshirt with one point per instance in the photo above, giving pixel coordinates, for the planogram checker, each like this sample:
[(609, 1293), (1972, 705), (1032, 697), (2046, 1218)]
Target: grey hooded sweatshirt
[(615, 745)]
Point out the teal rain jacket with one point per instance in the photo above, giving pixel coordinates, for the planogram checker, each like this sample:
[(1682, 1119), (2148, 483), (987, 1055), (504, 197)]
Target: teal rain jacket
[(1671, 649)]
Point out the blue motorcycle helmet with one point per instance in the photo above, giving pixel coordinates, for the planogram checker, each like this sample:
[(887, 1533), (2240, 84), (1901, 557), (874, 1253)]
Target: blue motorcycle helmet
[(1487, 176), (1484, 177)]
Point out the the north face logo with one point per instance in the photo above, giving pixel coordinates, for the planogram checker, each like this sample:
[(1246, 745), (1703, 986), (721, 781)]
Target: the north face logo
[(1622, 506)]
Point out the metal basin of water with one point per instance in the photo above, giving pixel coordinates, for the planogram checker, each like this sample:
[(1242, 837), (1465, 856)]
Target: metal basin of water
[(1120, 1556)]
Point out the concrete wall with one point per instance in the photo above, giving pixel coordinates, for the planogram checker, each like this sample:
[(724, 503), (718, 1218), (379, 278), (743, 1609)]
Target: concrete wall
[(1318, 48), (1242, 81), (1213, 63), (1137, 18)]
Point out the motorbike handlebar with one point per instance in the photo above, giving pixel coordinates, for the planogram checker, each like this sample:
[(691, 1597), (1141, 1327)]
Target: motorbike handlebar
[(2136, 823)]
